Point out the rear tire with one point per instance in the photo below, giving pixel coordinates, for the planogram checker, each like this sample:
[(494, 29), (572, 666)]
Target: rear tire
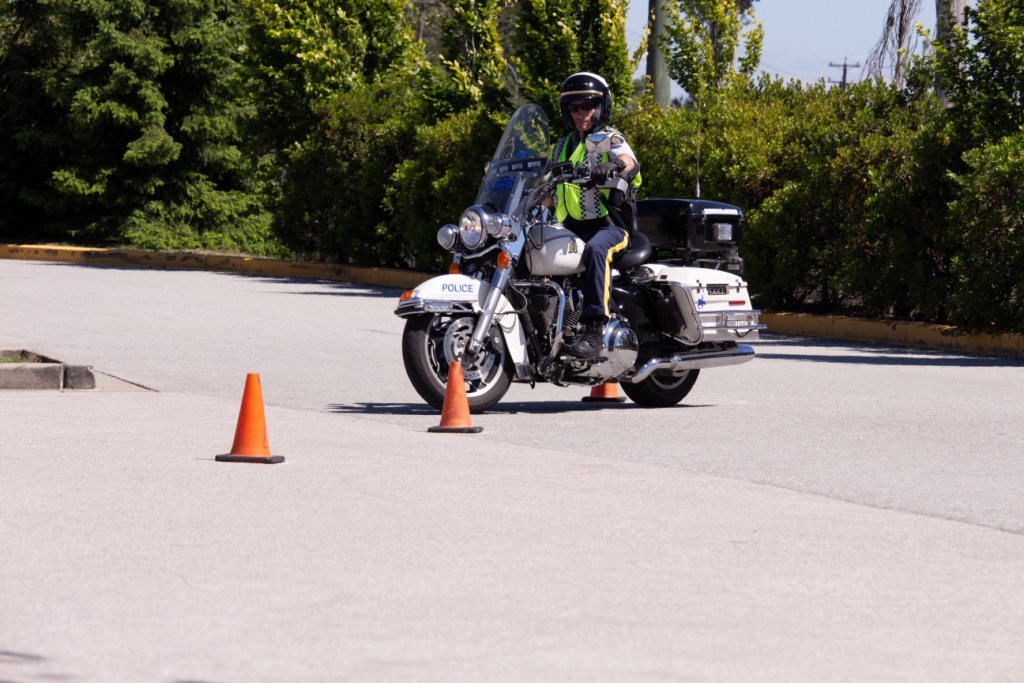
[(662, 389), (430, 342)]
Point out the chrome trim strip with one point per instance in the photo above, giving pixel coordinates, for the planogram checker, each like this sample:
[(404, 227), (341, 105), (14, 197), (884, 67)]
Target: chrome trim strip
[(709, 320), (417, 306)]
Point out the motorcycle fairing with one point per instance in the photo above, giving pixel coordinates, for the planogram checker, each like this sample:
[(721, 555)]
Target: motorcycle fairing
[(458, 293), (522, 153)]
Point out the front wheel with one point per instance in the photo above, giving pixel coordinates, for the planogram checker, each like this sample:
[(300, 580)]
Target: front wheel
[(661, 389), (429, 344)]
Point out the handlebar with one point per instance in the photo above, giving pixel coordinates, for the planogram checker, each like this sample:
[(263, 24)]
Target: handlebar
[(563, 172)]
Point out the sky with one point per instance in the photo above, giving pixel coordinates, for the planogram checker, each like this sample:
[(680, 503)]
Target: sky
[(802, 37)]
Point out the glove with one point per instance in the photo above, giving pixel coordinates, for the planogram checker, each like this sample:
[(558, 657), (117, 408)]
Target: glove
[(607, 169)]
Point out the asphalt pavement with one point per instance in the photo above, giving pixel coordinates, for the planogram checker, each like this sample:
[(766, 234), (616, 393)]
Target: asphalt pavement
[(828, 512)]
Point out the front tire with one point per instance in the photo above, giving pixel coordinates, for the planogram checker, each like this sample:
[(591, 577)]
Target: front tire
[(662, 389), (430, 342)]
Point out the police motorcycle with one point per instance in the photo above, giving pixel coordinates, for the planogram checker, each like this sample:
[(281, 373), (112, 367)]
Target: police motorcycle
[(511, 301)]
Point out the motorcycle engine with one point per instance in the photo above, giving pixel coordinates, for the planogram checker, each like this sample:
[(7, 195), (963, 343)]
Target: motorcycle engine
[(543, 307), (620, 348)]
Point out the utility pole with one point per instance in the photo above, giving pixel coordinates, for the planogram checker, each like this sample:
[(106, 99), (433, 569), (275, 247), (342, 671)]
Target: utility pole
[(948, 14), (845, 66), (656, 68)]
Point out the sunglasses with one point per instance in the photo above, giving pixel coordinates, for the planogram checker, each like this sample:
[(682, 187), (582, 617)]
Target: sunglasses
[(582, 106)]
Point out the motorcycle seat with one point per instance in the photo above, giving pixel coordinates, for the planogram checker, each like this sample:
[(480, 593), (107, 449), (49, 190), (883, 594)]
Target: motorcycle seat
[(638, 251)]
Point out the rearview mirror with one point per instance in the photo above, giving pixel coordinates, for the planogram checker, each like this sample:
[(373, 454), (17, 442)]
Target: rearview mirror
[(599, 143)]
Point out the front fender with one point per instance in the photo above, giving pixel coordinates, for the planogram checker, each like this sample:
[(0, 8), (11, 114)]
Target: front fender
[(460, 294)]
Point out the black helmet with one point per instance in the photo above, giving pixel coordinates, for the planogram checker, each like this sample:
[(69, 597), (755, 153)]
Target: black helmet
[(585, 86)]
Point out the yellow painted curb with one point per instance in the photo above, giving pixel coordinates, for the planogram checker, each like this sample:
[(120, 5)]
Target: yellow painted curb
[(900, 333), (388, 277)]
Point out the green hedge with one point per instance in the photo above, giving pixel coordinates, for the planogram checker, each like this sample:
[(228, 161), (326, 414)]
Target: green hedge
[(859, 202)]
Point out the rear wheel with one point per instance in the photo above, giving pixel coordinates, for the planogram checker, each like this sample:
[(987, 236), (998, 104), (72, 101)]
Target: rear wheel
[(429, 344), (661, 389)]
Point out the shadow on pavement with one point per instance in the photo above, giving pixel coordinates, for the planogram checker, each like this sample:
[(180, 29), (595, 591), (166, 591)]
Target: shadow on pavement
[(338, 288), (528, 408), (864, 353), (889, 360)]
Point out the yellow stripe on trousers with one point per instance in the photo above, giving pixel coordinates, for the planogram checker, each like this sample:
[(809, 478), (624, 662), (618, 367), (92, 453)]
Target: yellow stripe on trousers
[(608, 270)]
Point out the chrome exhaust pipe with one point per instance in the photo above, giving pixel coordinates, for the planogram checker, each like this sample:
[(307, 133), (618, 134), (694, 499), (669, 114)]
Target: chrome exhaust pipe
[(695, 361)]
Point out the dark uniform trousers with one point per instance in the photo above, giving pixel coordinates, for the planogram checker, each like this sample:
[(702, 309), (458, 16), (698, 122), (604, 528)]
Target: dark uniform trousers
[(604, 240)]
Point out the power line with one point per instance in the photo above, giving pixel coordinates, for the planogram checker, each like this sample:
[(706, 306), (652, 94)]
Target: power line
[(844, 65)]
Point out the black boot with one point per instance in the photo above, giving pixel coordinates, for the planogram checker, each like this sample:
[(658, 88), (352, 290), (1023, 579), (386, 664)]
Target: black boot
[(589, 345)]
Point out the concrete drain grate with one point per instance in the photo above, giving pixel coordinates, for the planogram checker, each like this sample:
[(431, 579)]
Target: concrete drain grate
[(22, 369)]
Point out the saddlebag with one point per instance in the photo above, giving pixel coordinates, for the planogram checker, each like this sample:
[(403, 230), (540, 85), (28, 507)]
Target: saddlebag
[(666, 311)]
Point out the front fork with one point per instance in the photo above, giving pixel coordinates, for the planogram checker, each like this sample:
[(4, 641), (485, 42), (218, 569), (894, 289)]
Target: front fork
[(486, 317)]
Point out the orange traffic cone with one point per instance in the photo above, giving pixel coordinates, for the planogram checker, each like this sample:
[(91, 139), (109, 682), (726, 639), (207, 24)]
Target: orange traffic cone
[(455, 410), (251, 433), (604, 393)]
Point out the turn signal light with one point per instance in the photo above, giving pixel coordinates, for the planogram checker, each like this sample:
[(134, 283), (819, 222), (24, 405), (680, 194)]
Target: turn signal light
[(502, 259), (407, 295), (453, 269)]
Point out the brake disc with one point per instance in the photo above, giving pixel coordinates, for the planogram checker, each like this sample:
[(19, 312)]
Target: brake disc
[(455, 340)]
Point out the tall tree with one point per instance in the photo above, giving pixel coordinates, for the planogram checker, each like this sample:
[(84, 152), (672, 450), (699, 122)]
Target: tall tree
[(472, 50), (982, 68), (118, 113), (555, 38), (657, 69), (301, 52), (898, 41), (704, 42)]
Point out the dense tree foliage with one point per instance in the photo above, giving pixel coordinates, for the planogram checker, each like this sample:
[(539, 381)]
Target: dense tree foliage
[(299, 53), (323, 128), (702, 43), (120, 121), (982, 69), (555, 38), (472, 52), (876, 200)]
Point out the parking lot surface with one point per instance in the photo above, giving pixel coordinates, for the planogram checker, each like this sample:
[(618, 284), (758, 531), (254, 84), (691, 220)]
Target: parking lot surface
[(828, 512)]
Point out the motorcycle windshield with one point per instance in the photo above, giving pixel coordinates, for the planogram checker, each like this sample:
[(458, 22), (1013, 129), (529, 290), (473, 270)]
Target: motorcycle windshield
[(522, 153)]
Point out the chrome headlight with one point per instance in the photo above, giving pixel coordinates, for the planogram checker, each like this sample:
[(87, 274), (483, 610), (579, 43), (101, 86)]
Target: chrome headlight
[(471, 227), (498, 225), (448, 237)]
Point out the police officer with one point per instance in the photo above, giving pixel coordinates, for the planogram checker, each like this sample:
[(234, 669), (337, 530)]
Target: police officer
[(589, 210)]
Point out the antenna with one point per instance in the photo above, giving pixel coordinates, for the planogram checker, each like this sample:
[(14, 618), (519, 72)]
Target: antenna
[(698, 148)]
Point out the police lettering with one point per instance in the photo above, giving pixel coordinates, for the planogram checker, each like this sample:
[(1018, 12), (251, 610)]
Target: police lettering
[(457, 287)]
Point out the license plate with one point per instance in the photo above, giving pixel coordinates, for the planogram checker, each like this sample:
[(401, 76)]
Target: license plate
[(739, 320)]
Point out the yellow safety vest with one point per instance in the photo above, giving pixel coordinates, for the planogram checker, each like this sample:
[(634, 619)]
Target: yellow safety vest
[(570, 196)]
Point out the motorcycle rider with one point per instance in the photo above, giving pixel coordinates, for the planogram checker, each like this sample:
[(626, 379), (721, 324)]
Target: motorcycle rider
[(589, 211)]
